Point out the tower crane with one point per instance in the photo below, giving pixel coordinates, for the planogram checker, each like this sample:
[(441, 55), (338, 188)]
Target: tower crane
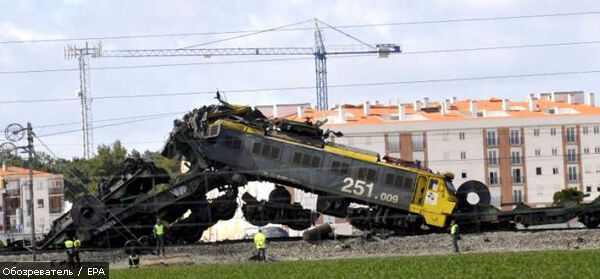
[(319, 51)]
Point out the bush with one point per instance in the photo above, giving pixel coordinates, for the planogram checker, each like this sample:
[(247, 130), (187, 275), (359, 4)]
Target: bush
[(567, 195)]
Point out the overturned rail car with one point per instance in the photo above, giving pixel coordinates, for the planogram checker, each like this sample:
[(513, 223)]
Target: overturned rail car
[(226, 146)]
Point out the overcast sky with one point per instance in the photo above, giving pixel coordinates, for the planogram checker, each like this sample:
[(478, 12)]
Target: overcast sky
[(35, 20)]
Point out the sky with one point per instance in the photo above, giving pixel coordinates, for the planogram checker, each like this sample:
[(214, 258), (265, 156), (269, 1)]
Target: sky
[(23, 21)]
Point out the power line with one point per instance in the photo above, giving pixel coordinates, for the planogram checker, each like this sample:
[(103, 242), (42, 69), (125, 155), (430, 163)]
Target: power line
[(431, 51), (110, 119), (297, 88), (418, 22), (105, 126)]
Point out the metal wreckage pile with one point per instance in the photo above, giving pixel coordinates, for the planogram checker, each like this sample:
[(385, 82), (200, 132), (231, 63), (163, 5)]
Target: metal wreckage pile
[(226, 146), (125, 210)]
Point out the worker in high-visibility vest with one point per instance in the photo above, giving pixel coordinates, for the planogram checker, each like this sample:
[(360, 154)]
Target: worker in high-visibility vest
[(134, 260), (260, 240), (76, 247), (159, 235), (455, 233), (69, 246)]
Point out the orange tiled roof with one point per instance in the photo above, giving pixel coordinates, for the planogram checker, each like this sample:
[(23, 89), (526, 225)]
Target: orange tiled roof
[(457, 111), (20, 172)]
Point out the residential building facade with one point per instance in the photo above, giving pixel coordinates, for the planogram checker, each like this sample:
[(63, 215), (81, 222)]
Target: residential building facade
[(48, 202), (524, 151)]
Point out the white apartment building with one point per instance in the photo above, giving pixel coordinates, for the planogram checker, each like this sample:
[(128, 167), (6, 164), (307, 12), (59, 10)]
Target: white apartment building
[(523, 150), (48, 205)]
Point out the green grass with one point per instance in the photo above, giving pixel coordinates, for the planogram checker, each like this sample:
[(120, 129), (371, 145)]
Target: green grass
[(550, 264)]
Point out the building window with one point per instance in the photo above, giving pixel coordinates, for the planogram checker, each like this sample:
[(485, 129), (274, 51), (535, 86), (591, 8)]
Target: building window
[(461, 136), (493, 178), (596, 129), (571, 135), (572, 174), (40, 203), (555, 170), (515, 137), (588, 189), (517, 196), (516, 176), (538, 170), (393, 143), (492, 157), (554, 151), (586, 150), (571, 155), (492, 140), (585, 130), (463, 155), (538, 152), (55, 204), (536, 132), (417, 141), (553, 132), (597, 150), (463, 175), (515, 157)]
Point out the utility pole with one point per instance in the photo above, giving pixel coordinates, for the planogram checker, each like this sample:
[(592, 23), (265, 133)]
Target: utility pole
[(30, 163), (14, 133)]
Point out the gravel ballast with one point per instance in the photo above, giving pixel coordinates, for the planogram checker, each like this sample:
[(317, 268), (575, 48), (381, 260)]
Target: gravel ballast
[(432, 244)]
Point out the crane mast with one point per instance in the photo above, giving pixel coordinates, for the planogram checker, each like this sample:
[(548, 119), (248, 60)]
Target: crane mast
[(319, 51)]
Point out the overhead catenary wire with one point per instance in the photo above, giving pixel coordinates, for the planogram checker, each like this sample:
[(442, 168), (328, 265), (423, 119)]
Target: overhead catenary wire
[(398, 23), (298, 88)]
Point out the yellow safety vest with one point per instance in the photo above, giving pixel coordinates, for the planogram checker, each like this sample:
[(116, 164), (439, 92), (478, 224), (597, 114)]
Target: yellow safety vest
[(159, 229), (454, 229), (260, 240), (77, 243), (69, 244)]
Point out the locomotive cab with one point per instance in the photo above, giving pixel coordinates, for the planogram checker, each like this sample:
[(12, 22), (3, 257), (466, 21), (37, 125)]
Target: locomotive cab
[(434, 199)]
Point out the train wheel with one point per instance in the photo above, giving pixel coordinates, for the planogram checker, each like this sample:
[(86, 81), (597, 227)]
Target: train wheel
[(589, 221), (472, 194), (280, 195)]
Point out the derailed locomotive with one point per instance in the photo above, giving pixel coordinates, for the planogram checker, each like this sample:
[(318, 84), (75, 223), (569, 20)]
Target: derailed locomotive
[(226, 146)]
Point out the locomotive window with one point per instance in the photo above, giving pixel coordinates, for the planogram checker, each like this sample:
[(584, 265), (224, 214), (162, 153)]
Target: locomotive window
[(344, 169), (389, 179), (256, 147), (335, 167), (316, 162), (297, 159), (399, 180), (306, 160), (266, 150), (371, 175), (275, 152), (408, 182), (367, 174), (340, 168)]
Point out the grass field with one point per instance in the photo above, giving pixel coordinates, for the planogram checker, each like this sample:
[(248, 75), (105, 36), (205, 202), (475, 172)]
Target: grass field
[(550, 264)]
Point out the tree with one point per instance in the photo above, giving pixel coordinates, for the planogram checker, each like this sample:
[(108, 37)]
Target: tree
[(567, 195), (173, 167)]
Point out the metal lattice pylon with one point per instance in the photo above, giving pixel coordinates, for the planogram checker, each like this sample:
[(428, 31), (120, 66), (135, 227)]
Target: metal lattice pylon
[(84, 93)]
